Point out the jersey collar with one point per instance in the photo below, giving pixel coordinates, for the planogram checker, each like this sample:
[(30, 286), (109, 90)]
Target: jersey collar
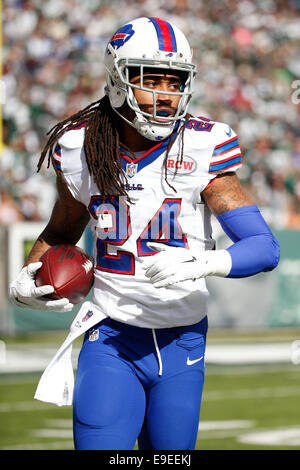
[(131, 166)]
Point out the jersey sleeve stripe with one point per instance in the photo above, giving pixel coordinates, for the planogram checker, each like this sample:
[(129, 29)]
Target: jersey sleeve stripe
[(229, 145), (236, 155), (57, 157), (226, 142), (226, 155), (57, 150), (57, 164), (229, 149), (228, 163), (80, 126)]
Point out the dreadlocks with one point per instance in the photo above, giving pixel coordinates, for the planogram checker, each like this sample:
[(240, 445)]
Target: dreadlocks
[(101, 145)]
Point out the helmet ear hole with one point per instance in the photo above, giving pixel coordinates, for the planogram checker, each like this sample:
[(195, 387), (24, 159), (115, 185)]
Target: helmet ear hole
[(116, 95)]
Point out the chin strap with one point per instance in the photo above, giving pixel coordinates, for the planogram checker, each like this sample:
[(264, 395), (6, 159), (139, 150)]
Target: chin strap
[(152, 131), (147, 129)]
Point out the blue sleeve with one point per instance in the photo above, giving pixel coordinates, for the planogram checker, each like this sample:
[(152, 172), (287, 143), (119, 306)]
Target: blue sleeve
[(255, 248)]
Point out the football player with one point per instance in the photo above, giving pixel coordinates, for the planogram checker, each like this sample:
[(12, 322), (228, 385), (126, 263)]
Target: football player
[(149, 176)]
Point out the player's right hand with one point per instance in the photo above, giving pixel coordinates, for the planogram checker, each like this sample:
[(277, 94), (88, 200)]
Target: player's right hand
[(25, 294)]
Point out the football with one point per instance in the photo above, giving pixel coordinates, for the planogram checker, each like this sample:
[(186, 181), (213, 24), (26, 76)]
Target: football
[(69, 269)]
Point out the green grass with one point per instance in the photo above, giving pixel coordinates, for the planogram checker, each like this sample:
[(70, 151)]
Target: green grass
[(235, 402), (23, 419), (262, 398)]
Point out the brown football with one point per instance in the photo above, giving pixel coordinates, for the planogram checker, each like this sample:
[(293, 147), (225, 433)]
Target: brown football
[(69, 269)]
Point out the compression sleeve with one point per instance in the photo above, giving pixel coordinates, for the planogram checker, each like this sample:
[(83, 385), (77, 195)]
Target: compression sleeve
[(255, 248)]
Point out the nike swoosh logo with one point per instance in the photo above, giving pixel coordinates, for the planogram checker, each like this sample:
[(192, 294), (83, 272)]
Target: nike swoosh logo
[(190, 363), (228, 132)]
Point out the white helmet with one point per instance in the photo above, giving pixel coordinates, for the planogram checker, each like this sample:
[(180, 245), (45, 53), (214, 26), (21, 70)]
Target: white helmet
[(148, 43)]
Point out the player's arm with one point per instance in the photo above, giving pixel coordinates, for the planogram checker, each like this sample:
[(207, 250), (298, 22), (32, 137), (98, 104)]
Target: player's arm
[(255, 249), (66, 225), (225, 193)]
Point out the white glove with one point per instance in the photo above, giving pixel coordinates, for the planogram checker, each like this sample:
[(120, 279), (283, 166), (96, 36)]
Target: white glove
[(25, 294), (172, 264)]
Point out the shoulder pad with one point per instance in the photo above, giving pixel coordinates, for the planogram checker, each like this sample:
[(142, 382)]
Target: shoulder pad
[(72, 139), (223, 130)]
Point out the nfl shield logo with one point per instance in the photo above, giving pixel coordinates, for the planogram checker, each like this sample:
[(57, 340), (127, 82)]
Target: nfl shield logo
[(87, 316), (94, 335), (131, 169)]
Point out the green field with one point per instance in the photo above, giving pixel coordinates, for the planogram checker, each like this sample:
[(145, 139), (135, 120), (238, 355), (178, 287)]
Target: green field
[(250, 407)]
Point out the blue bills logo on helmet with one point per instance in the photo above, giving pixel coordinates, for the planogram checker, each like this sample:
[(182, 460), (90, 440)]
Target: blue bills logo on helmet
[(121, 36)]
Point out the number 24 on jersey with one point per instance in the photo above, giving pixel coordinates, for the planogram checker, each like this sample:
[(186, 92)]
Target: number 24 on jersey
[(114, 228)]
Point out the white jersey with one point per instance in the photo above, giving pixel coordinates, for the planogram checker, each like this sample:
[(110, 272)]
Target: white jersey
[(157, 213)]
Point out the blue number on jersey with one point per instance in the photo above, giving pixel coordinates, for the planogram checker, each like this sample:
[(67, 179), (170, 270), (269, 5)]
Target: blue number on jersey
[(114, 228), (163, 227)]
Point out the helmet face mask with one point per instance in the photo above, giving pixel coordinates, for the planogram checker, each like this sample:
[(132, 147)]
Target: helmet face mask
[(141, 54)]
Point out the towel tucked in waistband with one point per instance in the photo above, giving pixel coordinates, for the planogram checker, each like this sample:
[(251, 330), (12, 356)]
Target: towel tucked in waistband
[(56, 384)]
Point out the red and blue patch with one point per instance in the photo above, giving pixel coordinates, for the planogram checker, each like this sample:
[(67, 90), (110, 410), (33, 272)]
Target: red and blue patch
[(165, 35)]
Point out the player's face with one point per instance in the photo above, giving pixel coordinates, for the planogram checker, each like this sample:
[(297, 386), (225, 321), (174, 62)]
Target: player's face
[(166, 104)]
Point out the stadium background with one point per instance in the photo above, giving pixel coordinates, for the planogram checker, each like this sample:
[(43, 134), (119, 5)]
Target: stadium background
[(247, 53)]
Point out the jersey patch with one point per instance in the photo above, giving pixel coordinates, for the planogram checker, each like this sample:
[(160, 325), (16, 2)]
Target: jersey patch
[(188, 165)]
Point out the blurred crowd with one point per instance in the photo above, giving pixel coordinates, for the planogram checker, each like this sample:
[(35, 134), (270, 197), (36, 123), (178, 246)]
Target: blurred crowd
[(248, 58)]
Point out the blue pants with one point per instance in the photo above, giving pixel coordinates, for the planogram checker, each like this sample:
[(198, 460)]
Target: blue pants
[(120, 397)]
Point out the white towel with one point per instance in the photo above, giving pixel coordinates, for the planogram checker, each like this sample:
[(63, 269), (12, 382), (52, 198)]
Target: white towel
[(56, 384)]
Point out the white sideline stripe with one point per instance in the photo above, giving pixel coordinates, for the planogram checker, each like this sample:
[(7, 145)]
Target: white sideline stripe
[(243, 394), (33, 405), (250, 393), (2, 352), (287, 436), (60, 423), (33, 360), (203, 426), (60, 433), (228, 424), (223, 434), (20, 359), (265, 353)]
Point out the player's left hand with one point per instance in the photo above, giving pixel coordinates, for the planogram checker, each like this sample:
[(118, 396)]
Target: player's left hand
[(173, 264), (25, 294)]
